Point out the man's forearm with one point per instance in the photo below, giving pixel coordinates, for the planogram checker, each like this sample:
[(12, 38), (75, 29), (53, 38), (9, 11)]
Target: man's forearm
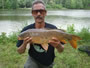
[(21, 49), (60, 48)]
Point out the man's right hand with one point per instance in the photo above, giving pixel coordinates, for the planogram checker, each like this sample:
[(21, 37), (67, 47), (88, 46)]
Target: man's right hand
[(22, 48), (27, 40)]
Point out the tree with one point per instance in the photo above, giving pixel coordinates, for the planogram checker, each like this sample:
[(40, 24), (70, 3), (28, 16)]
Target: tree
[(68, 3), (73, 4), (14, 4), (86, 3), (22, 3), (28, 3), (79, 4), (2, 4)]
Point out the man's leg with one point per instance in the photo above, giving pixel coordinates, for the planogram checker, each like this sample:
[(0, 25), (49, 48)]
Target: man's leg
[(42, 66), (30, 63)]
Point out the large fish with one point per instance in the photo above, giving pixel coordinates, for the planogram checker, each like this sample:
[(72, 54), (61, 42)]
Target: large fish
[(42, 36)]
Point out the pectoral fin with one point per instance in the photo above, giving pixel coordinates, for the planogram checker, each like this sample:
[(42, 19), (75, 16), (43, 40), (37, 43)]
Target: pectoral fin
[(45, 46), (63, 41)]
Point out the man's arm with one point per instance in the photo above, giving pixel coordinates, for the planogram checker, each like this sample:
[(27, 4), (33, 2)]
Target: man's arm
[(60, 48), (22, 48), (56, 43)]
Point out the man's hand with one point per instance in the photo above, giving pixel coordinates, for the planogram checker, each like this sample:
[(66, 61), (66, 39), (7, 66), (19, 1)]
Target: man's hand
[(56, 43), (27, 40), (22, 48)]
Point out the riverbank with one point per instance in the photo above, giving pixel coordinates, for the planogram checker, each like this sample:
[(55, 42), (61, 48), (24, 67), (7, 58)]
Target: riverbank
[(70, 58), (47, 9)]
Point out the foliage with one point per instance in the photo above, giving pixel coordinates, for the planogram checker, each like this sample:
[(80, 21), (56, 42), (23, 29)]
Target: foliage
[(71, 4), (9, 58), (28, 3), (21, 3), (70, 29), (8, 4), (85, 34), (4, 39), (13, 37), (55, 6)]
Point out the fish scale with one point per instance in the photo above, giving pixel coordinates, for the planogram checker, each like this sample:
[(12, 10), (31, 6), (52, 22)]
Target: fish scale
[(42, 36)]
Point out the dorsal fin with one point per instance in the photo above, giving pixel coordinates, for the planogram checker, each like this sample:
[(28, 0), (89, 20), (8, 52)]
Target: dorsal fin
[(62, 30), (55, 29)]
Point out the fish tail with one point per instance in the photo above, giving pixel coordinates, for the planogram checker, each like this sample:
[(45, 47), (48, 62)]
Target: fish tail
[(73, 43), (74, 40), (74, 37)]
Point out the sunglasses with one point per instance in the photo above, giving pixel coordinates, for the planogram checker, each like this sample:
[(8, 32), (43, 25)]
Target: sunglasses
[(36, 11)]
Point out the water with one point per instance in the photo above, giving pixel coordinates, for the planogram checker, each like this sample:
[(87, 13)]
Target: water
[(15, 20)]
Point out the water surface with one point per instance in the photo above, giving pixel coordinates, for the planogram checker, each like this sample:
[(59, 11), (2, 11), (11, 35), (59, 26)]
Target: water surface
[(15, 20)]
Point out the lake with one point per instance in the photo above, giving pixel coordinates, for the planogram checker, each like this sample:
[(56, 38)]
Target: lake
[(14, 20)]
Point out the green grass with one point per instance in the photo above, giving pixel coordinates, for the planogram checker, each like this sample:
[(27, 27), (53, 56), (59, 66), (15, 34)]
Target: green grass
[(69, 58), (72, 58)]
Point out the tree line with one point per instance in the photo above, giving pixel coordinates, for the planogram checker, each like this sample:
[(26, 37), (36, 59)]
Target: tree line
[(59, 4)]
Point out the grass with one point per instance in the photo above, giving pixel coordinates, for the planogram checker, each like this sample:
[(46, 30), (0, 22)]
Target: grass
[(70, 58)]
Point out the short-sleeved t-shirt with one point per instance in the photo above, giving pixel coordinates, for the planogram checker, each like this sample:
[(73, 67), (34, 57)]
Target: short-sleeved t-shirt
[(36, 51)]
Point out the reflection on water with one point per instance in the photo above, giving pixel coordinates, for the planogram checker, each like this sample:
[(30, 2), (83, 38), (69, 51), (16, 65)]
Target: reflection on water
[(14, 20), (72, 13)]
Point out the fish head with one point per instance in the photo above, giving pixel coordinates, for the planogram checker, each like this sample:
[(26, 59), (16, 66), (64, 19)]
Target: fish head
[(23, 35)]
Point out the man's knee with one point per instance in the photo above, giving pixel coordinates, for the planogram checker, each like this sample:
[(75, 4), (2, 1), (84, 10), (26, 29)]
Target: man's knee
[(27, 66), (30, 66), (30, 63)]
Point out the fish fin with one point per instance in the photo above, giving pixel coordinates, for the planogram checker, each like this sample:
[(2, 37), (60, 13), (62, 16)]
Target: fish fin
[(63, 41), (45, 46), (73, 43), (48, 28), (74, 37), (56, 29), (74, 40), (62, 30)]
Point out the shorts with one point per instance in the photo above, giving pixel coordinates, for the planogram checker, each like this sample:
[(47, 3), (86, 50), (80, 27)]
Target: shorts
[(31, 63)]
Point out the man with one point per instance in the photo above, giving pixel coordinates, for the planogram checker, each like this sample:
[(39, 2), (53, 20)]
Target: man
[(38, 57)]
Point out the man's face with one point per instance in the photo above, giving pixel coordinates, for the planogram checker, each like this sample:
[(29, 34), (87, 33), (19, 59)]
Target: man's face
[(39, 12)]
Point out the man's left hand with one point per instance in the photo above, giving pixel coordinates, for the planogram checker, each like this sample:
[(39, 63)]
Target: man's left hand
[(54, 42)]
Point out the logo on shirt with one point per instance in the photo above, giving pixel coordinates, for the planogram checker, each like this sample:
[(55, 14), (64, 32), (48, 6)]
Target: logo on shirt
[(38, 48)]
